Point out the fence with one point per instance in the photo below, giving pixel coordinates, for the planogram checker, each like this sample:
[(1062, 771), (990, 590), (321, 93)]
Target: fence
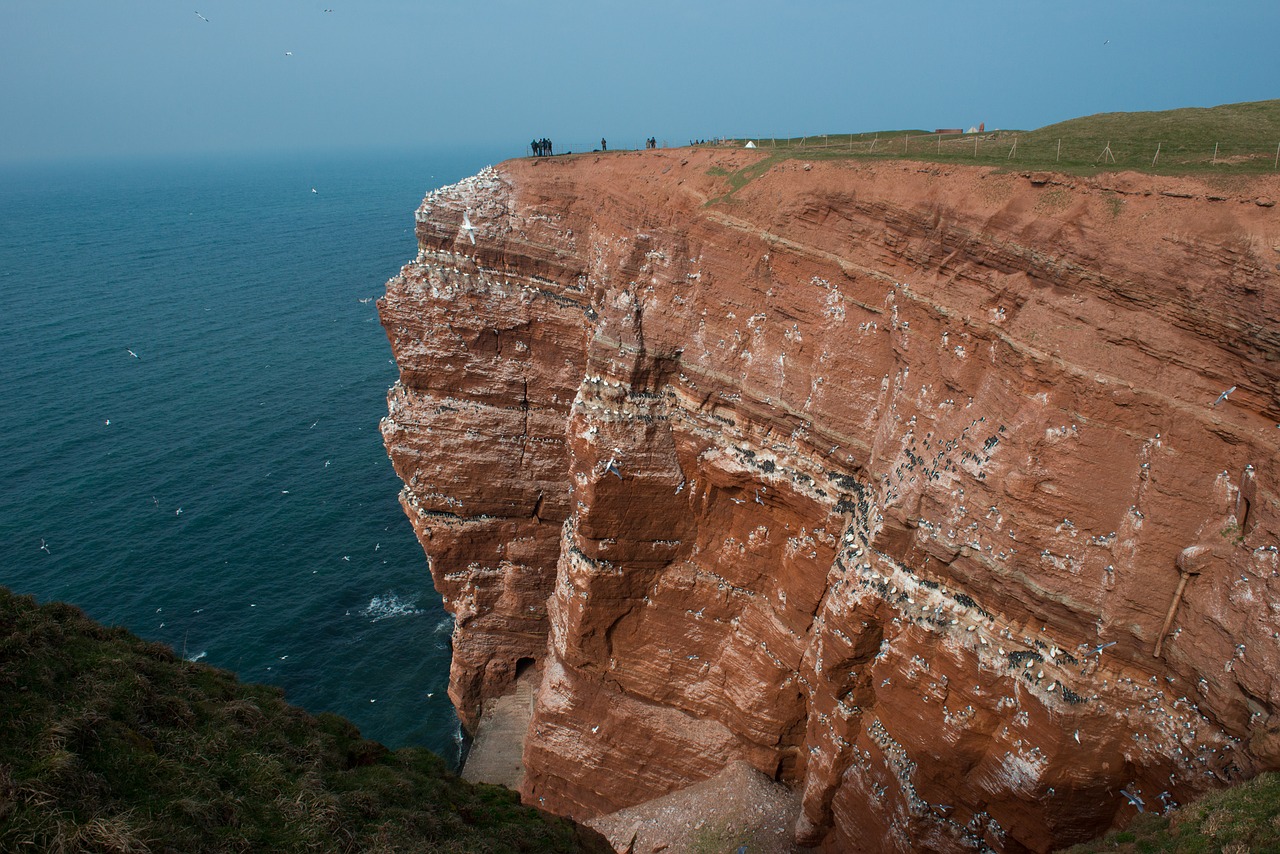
[(1043, 150)]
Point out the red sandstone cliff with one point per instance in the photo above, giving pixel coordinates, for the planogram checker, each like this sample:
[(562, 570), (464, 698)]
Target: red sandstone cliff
[(880, 476)]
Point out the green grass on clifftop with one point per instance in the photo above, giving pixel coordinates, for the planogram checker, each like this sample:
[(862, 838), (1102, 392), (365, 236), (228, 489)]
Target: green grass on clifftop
[(109, 743), (1243, 819), (1246, 137)]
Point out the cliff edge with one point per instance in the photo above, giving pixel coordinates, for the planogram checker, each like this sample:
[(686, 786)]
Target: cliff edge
[(914, 487)]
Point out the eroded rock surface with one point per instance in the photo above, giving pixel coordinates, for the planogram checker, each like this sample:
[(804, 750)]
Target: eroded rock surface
[(875, 476)]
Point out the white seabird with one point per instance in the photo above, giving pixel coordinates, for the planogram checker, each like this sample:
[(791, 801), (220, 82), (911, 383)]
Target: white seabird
[(468, 227), (1224, 395), (1133, 798), (202, 17), (131, 353), (44, 546)]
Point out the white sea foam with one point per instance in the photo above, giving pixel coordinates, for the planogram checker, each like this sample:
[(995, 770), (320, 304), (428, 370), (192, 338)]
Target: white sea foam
[(197, 656), (390, 605)]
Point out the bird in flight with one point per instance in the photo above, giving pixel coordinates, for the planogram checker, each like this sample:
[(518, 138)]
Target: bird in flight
[(1224, 395), (1133, 799), (1097, 650), (288, 53), (131, 353), (45, 546), (468, 227), (202, 17)]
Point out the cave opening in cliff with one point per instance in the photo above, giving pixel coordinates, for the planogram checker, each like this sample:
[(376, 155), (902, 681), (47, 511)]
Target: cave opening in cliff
[(523, 666)]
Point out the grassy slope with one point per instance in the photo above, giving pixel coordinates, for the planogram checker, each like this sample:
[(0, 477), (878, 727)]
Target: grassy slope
[(1244, 818), (1246, 135), (109, 743)]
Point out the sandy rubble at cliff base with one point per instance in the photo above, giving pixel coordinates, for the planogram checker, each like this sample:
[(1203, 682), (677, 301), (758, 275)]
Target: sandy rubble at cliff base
[(738, 806)]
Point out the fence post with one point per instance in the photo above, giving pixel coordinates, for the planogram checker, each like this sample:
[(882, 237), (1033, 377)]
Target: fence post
[(1157, 157), (1215, 154)]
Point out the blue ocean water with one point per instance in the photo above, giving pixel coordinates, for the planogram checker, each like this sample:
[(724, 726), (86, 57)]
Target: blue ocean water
[(226, 491)]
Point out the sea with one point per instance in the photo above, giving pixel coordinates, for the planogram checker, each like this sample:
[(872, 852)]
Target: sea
[(193, 375)]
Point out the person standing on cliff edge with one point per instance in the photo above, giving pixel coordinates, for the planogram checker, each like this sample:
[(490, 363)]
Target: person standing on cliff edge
[(604, 146)]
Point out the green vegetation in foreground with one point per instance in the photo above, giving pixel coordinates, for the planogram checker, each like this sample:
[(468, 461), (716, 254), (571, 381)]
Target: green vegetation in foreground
[(110, 743), (1246, 136), (1244, 818)]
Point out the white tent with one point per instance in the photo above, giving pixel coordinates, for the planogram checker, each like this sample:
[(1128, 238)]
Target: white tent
[(749, 144)]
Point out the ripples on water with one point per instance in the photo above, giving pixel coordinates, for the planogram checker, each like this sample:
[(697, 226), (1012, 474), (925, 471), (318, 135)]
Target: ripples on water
[(227, 491)]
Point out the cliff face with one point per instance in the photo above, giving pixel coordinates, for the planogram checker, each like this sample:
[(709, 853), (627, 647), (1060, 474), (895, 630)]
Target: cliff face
[(882, 477)]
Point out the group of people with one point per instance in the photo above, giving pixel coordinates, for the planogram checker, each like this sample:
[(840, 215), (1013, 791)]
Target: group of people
[(542, 147)]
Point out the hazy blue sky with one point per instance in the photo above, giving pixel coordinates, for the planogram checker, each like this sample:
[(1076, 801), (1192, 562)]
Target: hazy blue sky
[(149, 76)]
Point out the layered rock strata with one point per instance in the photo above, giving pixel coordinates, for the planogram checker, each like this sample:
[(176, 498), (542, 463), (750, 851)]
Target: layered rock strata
[(886, 478)]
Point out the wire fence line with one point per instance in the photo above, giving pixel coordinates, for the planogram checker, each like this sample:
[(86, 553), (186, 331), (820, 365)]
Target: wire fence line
[(1030, 149), (1040, 149)]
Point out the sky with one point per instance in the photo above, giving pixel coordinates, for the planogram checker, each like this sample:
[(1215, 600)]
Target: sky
[(94, 78)]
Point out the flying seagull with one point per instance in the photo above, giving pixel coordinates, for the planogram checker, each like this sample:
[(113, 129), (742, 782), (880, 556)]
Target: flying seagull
[(288, 53), (1097, 650), (1224, 395), (202, 17), (612, 466), (1133, 799), (45, 546), (131, 353), (468, 227)]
